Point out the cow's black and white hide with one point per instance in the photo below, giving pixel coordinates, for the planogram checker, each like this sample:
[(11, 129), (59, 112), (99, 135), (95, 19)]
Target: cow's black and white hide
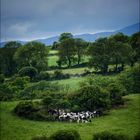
[(84, 116)]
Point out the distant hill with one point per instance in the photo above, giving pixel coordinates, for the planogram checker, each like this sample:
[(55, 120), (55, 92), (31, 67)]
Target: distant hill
[(129, 30)]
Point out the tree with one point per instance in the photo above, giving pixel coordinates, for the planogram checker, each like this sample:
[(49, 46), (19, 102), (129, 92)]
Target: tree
[(80, 45), (32, 54), (67, 51), (120, 51), (55, 45), (135, 43), (64, 36), (100, 55), (7, 63)]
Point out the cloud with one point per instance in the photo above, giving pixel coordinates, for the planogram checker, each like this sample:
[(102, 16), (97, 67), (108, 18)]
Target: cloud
[(24, 19), (19, 29)]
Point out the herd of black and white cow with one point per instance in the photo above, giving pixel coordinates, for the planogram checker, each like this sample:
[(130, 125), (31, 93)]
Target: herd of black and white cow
[(79, 117)]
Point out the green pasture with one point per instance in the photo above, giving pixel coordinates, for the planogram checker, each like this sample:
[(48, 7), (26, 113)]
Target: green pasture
[(121, 120)]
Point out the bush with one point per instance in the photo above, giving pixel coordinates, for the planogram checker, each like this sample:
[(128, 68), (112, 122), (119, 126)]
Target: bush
[(109, 136), (90, 98), (28, 71), (43, 75), (102, 81), (12, 87), (40, 138), (130, 79), (26, 109), (59, 75), (116, 92), (65, 135), (39, 90), (137, 136), (1, 78), (5, 93)]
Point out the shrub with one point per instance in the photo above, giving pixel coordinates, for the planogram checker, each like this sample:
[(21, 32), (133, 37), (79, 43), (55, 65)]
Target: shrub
[(40, 138), (25, 109), (39, 90), (109, 136), (90, 98), (5, 93), (28, 71), (1, 78), (12, 87), (116, 92), (43, 75), (59, 75), (137, 136), (130, 79), (65, 135), (102, 81)]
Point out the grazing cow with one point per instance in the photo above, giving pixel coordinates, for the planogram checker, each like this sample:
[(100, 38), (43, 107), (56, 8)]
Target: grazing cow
[(83, 117)]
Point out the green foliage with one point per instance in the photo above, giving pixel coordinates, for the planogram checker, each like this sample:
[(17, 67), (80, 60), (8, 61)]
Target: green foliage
[(39, 90), (59, 75), (40, 138), (43, 75), (11, 88), (109, 136), (7, 64), (32, 54), (137, 136), (62, 104), (90, 98), (67, 51), (102, 81), (2, 78), (5, 93), (100, 55), (65, 36), (116, 92), (26, 109), (47, 101), (65, 135), (28, 71), (135, 43), (80, 47), (130, 79)]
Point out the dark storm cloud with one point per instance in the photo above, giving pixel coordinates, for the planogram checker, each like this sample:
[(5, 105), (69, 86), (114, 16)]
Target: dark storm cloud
[(29, 19)]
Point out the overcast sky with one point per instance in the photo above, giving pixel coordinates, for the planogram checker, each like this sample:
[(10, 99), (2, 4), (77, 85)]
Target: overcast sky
[(32, 19)]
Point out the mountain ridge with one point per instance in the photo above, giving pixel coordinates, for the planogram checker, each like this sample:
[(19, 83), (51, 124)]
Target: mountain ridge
[(128, 30)]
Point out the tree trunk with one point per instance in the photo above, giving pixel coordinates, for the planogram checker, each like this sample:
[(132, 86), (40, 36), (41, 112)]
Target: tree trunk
[(79, 59), (116, 65), (69, 62), (122, 66)]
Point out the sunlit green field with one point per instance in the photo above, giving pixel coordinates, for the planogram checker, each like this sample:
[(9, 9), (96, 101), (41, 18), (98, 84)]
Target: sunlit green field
[(122, 120)]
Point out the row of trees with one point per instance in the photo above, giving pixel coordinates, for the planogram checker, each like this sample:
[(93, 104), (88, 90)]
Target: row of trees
[(117, 50)]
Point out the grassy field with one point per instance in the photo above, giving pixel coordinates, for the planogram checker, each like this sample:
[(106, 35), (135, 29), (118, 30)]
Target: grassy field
[(123, 120), (72, 83), (53, 57)]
